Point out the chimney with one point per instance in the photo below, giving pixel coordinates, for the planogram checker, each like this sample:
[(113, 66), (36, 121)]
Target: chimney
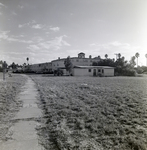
[(58, 58)]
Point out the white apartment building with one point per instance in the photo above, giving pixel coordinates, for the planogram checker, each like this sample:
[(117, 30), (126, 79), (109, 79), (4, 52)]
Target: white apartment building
[(80, 61)]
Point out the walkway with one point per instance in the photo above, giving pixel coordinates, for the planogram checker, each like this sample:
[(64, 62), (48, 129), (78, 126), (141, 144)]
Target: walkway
[(23, 132)]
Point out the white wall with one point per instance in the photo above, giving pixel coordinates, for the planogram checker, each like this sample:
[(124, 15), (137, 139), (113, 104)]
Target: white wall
[(82, 72), (58, 64), (85, 72), (75, 61), (109, 72), (81, 62)]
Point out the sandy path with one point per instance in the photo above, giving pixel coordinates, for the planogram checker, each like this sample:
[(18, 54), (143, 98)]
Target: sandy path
[(23, 135)]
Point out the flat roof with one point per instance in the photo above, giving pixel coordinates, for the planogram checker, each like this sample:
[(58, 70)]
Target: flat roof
[(62, 59), (89, 67)]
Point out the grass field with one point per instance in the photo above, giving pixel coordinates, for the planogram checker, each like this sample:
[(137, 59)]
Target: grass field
[(8, 103), (87, 113)]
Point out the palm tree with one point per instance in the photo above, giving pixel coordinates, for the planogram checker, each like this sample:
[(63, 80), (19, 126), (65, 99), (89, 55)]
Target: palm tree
[(137, 55), (106, 56), (146, 59), (27, 60)]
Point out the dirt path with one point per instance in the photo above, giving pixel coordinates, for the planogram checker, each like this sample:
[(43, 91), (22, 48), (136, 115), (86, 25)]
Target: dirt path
[(22, 134)]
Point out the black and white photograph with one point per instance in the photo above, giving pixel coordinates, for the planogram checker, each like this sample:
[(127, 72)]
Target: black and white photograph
[(73, 74)]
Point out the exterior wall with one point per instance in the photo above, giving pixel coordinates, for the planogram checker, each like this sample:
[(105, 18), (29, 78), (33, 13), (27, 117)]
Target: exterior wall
[(58, 64), (82, 72), (81, 61), (98, 72), (94, 72), (75, 61), (109, 72), (40, 68)]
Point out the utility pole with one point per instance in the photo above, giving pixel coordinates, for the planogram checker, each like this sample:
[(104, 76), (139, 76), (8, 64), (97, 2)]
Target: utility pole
[(4, 70), (116, 56)]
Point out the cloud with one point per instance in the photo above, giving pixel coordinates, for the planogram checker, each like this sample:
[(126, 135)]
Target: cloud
[(93, 44), (19, 40), (20, 6), (33, 47), (4, 36), (2, 5), (54, 44), (37, 26), (14, 13), (119, 44), (47, 33), (33, 24), (21, 26), (37, 39), (114, 44), (26, 24), (55, 29), (113, 47), (58, 42)]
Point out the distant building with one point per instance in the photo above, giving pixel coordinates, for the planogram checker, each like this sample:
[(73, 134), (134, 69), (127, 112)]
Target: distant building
[(38, 68), (103, 71), (80, 60), (82, 66)]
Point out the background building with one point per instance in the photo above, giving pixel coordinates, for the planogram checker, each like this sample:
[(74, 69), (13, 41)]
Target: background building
[(38, 68), (80, 60)]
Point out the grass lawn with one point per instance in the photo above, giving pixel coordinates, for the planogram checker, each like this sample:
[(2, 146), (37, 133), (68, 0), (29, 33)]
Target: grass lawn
[(9, 105), (87, 113)]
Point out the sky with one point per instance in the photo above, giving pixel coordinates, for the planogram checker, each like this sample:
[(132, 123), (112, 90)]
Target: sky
[(44, 30)]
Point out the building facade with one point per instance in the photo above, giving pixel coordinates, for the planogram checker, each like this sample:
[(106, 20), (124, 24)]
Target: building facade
[(80, 60), (38, 68), (102, 71), (81, 66)]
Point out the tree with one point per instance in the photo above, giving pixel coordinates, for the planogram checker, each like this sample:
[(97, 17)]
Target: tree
[(132, 62), (68, 64), (106, 56), (1, 66), (13, 65), (27, 59), (137, 55), (146, 59), (99, 57)]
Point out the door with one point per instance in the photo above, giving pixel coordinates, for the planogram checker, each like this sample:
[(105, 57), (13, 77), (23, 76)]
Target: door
[(94, 72)]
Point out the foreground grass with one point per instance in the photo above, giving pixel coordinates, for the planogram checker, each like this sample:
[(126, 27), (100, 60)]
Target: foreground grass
[(8, 103), (93, 113)]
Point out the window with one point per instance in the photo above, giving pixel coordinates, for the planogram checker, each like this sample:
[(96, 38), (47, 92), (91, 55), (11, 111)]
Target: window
[(89, 70), (102, 70), (99, 70), (77, 60)]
